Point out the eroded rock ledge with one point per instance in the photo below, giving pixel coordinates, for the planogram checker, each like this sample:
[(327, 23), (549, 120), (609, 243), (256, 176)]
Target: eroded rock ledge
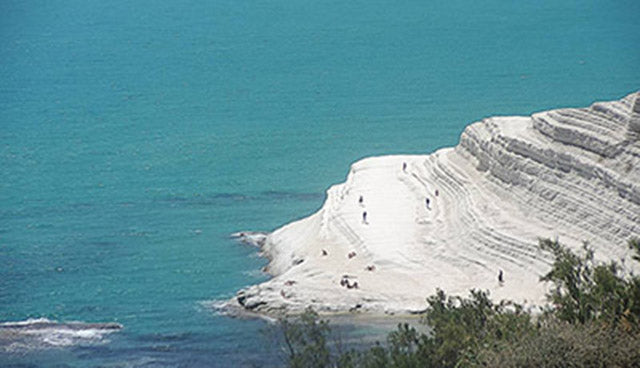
[(573, 174)]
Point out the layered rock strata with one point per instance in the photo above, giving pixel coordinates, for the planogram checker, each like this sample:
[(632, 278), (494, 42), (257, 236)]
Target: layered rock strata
[(461, 218)]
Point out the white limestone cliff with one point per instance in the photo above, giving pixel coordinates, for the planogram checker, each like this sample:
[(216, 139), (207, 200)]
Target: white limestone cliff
[(571, 174)]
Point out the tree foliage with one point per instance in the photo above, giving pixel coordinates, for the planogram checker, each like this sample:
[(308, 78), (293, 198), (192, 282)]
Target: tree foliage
[(305, 341), (584, 290)]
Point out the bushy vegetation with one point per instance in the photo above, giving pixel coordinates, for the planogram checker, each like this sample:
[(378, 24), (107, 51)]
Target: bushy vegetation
[(585, 291), (305, 341), (561, 344), (593, 321)]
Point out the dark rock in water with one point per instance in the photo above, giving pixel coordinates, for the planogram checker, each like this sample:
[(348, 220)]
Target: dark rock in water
[(252, 303), (254, 238), (241, 297), (249, 300)]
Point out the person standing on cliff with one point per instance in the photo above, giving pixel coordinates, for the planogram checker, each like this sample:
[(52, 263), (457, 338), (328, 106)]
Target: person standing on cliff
[(364, 217), (404, 166), (501, 277)]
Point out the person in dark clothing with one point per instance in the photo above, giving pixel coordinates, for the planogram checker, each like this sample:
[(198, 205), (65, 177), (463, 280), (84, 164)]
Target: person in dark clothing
[(427, 201), (501, 277), (364, 217), (404, 166), (361, 200)]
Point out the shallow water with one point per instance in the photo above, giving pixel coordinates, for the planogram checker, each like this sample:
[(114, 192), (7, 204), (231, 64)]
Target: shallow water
[(135, 137)]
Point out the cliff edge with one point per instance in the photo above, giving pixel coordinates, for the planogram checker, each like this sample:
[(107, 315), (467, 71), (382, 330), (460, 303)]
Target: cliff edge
[(464, 217)]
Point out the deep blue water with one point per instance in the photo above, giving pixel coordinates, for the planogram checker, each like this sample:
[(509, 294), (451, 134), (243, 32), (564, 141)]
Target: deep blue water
[(136, 136)]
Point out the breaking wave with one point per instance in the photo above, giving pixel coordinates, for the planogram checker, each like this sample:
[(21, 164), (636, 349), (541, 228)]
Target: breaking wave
[(42, 333)]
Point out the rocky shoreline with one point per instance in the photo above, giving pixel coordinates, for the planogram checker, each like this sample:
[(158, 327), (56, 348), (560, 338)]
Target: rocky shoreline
[(461, 218)]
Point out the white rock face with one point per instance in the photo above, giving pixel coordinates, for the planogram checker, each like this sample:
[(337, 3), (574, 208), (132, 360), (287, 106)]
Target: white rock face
[(571, 174), (634, 120)]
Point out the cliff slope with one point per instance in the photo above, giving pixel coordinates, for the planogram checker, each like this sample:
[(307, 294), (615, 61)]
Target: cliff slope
[(573, 174)]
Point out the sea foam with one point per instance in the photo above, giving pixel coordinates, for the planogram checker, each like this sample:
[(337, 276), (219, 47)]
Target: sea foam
[(42, 333)]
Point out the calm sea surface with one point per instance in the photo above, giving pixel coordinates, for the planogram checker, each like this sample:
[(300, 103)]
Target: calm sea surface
[(135, 136)]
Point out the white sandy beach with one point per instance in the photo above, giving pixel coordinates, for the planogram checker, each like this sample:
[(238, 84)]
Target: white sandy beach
[(571, 174)]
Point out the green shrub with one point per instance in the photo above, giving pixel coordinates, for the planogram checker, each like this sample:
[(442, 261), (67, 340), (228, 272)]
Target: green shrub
[(305, 341), (584, 290), (562, 344)]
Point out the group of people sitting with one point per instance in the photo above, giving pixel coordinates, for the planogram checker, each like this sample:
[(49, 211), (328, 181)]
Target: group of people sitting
[(346, 283)]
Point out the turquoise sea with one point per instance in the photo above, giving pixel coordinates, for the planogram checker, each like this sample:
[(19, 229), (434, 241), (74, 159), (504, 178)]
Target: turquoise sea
[(135, 136)]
